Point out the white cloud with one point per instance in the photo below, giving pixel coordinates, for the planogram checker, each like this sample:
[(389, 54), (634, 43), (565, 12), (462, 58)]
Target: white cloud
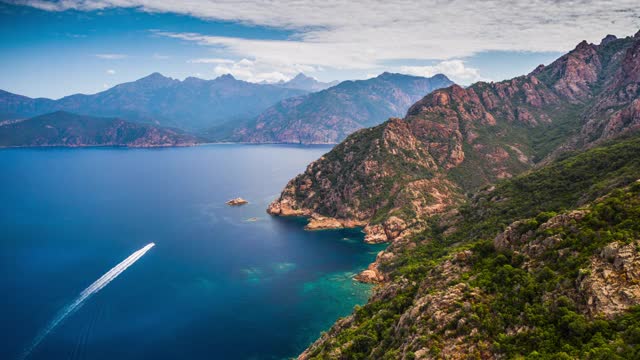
[(111, 72), (160, 57), (366, 34), (210, 61), (111, 56), (256, 70), (456, 70)]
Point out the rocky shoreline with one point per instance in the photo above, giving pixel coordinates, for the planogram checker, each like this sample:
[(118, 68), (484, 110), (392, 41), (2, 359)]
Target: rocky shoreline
[(392, 230)]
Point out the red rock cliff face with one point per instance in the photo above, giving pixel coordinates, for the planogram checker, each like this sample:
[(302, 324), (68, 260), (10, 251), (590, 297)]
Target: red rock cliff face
[(456, 139), (617, 109)]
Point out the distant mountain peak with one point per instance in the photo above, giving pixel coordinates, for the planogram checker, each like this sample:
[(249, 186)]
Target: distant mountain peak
[(226, 77), (302, 76), (440, 76), (154, 80), (304, 82), (154, 76), (389, 75), (193, 79), (395, 76)]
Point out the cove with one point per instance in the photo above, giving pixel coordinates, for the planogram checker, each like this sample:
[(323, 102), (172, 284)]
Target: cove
[(221, 282)]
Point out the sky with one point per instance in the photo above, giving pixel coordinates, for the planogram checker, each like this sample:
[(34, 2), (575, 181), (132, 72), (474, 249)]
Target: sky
[(57, 48)]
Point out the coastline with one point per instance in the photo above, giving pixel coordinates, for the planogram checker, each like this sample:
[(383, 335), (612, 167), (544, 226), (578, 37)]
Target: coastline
[(161, 146)]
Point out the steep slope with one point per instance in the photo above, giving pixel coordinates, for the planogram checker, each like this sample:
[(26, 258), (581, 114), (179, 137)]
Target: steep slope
[(67, 129), (392, 177), (330, 115), (544, 265), (192, 104)]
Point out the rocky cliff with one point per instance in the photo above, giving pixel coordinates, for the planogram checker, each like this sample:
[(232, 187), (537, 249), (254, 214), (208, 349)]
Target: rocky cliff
[(392, 177), (67, 129), (330, 115), (544, 265)]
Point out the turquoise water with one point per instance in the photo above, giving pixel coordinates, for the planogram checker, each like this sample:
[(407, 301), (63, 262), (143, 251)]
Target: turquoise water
[(221, 282)]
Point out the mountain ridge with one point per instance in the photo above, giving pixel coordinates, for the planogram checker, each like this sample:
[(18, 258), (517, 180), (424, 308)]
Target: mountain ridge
[(456, 139), (155, 99), (328, 116), (549, 255), (511, 209), (63, 128)]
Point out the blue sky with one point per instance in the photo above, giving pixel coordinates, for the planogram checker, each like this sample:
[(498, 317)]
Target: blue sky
[(53, 49)]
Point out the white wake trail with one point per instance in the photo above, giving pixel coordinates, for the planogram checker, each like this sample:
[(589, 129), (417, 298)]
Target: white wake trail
[(97, 285)]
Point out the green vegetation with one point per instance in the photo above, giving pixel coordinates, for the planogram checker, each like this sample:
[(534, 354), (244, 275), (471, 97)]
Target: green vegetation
[(536, 299), (567, 183), (533, 293)]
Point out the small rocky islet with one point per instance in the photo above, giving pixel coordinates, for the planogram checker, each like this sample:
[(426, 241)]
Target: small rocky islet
[(237, 202)]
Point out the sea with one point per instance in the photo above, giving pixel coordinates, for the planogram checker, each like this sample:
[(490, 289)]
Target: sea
[(115, 253)]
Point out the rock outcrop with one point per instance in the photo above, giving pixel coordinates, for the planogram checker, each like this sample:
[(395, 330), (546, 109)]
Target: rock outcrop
[(607, 287), (458, 291), (237, 202), (612, 282), (456, 139), (543, 265)]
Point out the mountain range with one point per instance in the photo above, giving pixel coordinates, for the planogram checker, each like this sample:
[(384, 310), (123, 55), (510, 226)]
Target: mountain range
[(512, 211), (193, 104), (328, 116), (226, 109), (456, 140)]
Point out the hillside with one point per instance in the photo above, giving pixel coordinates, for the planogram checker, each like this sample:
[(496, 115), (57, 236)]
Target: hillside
[(393, 177), (193, 104), (330, 115), (67, 129), (543, 266)]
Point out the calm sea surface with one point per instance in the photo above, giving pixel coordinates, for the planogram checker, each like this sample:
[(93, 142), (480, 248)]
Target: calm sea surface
[(221, 282)]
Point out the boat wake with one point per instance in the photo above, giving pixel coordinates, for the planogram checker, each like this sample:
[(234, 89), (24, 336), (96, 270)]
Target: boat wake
[(97, 285)]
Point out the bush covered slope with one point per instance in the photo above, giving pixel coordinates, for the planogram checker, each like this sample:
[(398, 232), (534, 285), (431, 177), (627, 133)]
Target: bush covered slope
[(544, 265)]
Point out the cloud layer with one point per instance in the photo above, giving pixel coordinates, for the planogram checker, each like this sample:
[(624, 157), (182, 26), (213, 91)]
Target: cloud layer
[(456, 70), (111, 56), (352, 34)]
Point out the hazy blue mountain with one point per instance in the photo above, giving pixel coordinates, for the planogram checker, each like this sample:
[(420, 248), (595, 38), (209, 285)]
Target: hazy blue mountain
[(328, 116), (307, 83), (62, 128), (191, 104), (13, 106)]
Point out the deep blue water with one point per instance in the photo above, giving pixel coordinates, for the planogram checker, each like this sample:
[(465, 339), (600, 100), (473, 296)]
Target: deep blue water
[(217, 285)]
